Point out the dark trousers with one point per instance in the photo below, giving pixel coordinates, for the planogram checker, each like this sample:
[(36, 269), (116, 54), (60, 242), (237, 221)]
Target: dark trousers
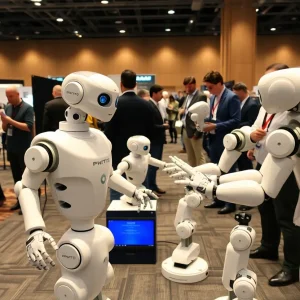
[(115, 195), (17, 165), (244, 163), (156, 151), (215, 150), (276, 218), (172, 130)]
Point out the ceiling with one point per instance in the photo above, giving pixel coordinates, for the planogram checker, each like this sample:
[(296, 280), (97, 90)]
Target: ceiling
[(92, 19)]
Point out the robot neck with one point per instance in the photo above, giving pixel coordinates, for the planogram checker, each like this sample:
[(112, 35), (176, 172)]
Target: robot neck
[(75, 121), (135, 155), (82, 225)]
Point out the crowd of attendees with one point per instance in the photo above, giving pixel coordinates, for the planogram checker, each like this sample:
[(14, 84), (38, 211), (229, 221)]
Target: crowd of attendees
[(153, 113)]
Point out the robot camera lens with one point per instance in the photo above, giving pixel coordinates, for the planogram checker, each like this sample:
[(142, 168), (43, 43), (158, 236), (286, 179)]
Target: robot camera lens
[(145, 148), (117, 100), (103, 99)]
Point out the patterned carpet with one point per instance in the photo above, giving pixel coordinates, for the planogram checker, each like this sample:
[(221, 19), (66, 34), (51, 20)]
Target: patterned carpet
[(18, 280)]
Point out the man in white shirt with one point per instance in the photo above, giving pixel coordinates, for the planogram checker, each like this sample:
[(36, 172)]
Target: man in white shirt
[(277, 214)]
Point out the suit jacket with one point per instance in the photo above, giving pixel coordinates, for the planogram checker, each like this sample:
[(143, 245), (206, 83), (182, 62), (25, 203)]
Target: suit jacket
[(189, 123), (249, 112), (159, 129), (54, 112), (134, 116), (228, 113)]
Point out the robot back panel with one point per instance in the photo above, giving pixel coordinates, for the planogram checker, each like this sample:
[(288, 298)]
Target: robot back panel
[(79, 183)]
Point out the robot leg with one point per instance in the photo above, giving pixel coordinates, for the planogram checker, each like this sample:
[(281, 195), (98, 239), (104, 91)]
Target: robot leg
[(70, 289)]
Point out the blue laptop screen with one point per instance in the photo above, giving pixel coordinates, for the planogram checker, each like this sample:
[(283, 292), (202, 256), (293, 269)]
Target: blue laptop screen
[(133, 232)]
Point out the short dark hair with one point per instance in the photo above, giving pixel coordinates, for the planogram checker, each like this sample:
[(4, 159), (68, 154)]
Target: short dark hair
[(189, 80), (277, 67), (155, 89), (213, 77), (128, 79), (240, 86)]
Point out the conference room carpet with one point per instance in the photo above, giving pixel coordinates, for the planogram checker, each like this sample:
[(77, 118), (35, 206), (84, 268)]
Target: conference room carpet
[(19, 280)]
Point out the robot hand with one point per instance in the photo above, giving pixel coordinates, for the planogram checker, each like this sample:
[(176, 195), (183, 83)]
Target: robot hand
[(142, 197), (196, 180), (36, 251)]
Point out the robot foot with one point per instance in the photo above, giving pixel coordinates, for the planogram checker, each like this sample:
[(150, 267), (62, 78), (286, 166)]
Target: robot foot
[(101, 297), (195, 272)]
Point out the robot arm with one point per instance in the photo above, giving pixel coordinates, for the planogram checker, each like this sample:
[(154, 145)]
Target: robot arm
[(39, 160), (199, 111), (159, 163), (120, 184), (122, 167)]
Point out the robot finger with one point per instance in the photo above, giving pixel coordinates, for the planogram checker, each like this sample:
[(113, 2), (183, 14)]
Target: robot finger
[(40, 260), (51, 241), (48, 259), (184, 166), (184, 182), (179, 175), (151, 194)]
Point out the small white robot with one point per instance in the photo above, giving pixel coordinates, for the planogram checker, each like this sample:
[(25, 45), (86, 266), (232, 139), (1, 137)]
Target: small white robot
[(135, 165), (76, 161), (199, 111), (185, 265), (279, 91)]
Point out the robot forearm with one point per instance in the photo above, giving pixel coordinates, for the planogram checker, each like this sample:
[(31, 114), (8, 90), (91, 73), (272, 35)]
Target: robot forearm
[(120, 184), (157, 163)]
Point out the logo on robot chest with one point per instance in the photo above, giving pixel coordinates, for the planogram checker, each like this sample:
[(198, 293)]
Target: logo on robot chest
[(101, 162), (68, 256)]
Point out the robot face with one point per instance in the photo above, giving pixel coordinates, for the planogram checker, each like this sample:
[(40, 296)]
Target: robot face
[(91, 92), (280, 90), (139, 145)]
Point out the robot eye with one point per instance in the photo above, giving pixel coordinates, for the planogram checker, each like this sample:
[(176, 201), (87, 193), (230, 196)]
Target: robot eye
[(117, 100), (145, 148), (103, 99)]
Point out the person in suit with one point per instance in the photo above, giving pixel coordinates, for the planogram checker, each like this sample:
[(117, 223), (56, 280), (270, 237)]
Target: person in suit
[(192, 138), (172, 111), (249, 112), (158, 140), (134, 116), (54, 110), (225, 115)]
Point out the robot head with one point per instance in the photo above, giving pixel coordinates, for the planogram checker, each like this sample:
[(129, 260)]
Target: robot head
[(139, 144), (93, 93), (280, 90)]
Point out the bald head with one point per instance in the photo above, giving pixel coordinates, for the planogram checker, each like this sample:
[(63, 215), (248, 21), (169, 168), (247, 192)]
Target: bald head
[(56, 92), (12, 95)]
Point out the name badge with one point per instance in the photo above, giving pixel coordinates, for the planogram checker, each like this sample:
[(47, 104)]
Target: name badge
[(9, 131)]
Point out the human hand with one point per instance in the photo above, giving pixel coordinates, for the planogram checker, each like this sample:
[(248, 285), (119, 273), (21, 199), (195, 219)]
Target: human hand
[(257, 135), (209, 127), (250, 154)]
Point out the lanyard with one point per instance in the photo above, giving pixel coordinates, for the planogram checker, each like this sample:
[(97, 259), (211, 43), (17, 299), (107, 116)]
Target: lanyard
[(215, 106), (267, 122)]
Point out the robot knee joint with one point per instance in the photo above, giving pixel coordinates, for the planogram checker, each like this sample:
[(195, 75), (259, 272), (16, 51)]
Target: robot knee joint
[(68, 290)]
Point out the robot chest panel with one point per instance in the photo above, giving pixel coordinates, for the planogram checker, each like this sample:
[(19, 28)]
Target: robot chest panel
[(89, 159), (138, 167)]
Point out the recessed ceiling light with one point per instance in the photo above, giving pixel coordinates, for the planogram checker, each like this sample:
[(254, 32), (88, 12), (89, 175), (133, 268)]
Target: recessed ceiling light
[(294, 19), (191, 21), (171, 12), (17, 38), (37, 4), (122, 31), (36, 0), (118, 22), (257, 10), (79, 35), (167, 29), (37, 32), (59, 19), (104, 2), (75, 31), (273, 29)]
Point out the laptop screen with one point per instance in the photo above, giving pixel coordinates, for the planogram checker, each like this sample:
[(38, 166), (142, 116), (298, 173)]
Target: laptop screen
[(132, 232)]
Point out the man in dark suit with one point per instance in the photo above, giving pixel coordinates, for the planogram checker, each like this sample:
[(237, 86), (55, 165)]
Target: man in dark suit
[(192, 138), (249, 112), (134, 116), (225, 115), (158, 139), (54, 110)]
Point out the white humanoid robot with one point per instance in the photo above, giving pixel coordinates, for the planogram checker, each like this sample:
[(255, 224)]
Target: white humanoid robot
[(199, 111), (76, 161), (184, 265), (279, 91), (135, 165)]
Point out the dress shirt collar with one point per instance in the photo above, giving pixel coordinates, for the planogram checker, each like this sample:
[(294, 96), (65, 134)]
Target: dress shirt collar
[(128, 91)]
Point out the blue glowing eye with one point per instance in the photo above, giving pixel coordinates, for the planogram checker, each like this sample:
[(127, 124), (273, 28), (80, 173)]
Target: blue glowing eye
[(145, 148), (103, 99), (117, 100)]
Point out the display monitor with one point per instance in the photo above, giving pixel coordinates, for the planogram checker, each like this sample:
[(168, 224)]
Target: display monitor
[(128, 233)]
